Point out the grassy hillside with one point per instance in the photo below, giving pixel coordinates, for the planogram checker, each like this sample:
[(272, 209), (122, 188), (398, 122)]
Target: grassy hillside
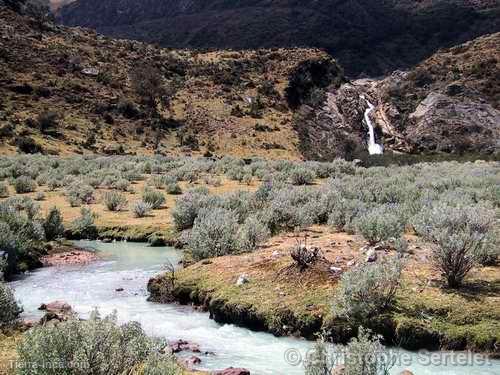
[(69, 91)]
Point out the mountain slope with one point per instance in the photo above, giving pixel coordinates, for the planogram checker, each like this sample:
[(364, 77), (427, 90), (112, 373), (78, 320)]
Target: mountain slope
[(366, 36), (70, 91)]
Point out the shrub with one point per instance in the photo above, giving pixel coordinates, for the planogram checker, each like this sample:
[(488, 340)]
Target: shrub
[(157, 364), (40, 196), (78, 194), (4, 190), (301, 176), (153, 197), (173, 188), (365, 355), (367, 290), (84, 226), (380, 224), (488, 253), (252, 233), (214, 233), (24, 184), (343, 216), (114, 201), (320, 361), (90, 347), (458, 235), (53, 224), (186, 209), (122, 185), (48, 121), (141, 209), (9, 309)]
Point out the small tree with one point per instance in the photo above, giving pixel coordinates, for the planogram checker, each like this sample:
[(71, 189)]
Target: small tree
[(53, 224), (9, 309)]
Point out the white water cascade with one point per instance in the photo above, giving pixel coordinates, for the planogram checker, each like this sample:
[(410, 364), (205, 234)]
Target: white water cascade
[(373, 147)]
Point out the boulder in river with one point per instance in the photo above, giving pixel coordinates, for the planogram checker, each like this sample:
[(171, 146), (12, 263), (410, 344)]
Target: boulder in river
[(191, 361), (406, 372), (184, 346), (56, 311), (232, 371)]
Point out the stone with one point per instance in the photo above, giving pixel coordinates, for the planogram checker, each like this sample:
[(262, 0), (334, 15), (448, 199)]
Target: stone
[(243, 279), (55, 306), (335, 270), (191, 361), (56, 311), (93, 72), (232, 371), (371, 256), (119, 289), (406, 372), (339, 370)]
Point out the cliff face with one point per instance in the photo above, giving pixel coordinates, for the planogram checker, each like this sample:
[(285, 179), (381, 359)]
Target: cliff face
[(449, 103), (367, 36)]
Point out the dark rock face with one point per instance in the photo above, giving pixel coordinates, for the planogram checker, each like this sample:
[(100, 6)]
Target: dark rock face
[(367, 36), (447, 104)]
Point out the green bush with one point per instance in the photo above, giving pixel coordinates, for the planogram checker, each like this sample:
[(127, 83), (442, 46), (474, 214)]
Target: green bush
[(173, 188), (367, 290), (84, 226), (365, 355), (153, 197), (252, 233), (53, 224), (114, 201), (24, 184), (380, 224), (215, 233), (186, 209), (141, 209), (9, 309), (91, 347), (4, 190), (302, 176), (459, 235), (78, 193)]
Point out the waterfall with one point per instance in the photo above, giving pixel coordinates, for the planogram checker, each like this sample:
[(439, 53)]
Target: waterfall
[(373, 147)]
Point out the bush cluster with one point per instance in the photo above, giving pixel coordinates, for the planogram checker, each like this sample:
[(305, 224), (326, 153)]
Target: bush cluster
[(97, 346)]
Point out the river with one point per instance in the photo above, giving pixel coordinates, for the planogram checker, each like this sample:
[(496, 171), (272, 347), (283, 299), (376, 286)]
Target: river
[(130, 265)]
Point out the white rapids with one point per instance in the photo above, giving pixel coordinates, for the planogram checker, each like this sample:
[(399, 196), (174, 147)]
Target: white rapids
[(373, 147)]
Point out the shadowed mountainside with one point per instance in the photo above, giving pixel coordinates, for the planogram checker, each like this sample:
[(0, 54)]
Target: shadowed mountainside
[(366, 36)]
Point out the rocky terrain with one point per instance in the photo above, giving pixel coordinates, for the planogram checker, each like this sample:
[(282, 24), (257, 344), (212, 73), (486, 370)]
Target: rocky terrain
[(70, 90), (449, 103), (367, 36)]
